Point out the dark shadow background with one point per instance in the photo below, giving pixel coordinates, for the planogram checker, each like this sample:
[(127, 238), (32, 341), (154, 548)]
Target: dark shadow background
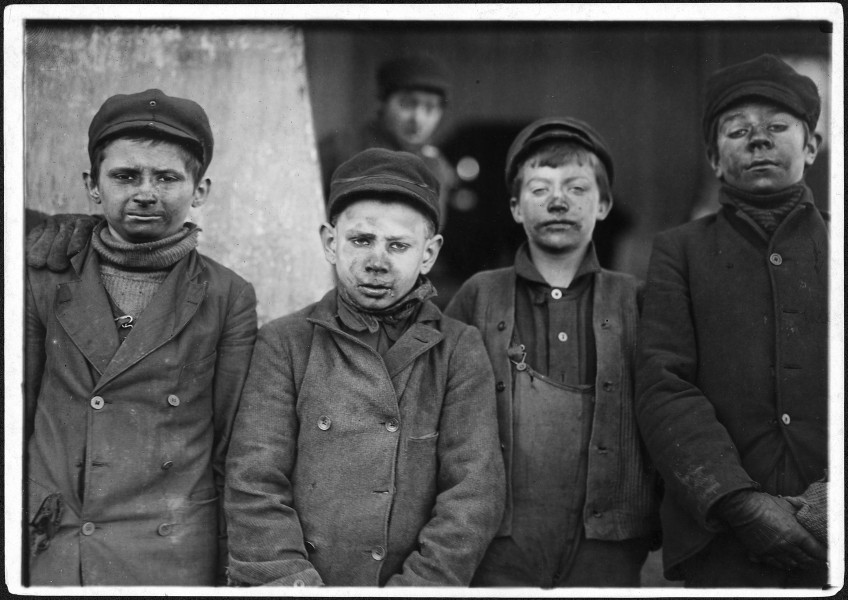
[(639, 84)]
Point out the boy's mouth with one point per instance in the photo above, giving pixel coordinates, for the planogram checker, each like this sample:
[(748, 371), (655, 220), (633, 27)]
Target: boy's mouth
[(561, 223)]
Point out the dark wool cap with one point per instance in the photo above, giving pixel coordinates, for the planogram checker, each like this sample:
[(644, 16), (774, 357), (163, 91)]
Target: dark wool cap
[(152, 110), (412, 72), (556, 128), (380, 174), (766, 77)]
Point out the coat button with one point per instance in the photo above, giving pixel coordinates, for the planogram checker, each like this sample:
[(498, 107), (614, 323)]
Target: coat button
[(500, 386), (776, 259), (501, 326), (393, 425), (88, 528), (174, 400), (609, 386), (785, 418), (597, 514), (562, 336), (164, 529), (299, 583), (556, 294), (378, 553), (324, 423), (167, 465), (152, 103), (97, 403)]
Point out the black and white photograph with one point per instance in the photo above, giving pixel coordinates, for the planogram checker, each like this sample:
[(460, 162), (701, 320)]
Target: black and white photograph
[(448, 300)]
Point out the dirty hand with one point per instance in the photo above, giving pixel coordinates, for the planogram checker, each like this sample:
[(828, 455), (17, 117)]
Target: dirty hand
[(58, 238), (766, 525)]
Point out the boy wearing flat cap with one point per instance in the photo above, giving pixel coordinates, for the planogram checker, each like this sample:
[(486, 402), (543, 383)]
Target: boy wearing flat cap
[(413, 91), (135, 359), (365, 450), (732, 376), (561, 332)]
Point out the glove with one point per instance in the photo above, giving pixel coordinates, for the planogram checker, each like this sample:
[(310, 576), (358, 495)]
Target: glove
[(812, 509), (767, 526), (57, 239)]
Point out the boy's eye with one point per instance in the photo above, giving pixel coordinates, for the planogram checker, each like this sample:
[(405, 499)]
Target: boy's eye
[(359, 242), (398, 246), (538, 191), (123, 176), (577, 189), (778, 127), (737, 133)]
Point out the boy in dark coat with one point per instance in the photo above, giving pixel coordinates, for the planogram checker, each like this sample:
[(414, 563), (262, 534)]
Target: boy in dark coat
[(732, 375), (365, 450), (560, 332), (135, 359)]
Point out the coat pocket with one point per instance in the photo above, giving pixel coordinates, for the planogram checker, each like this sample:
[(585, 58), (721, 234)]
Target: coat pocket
[(196, 377)]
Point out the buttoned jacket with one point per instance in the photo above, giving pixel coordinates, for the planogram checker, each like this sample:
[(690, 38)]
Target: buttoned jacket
[(352, 469), (621, 497), (133, 435), (733, 364)]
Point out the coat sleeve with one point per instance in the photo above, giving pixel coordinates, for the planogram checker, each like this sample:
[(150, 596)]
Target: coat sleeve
[(471, 486), (690, 447), (266, 540), (234, 350), (35, 358)]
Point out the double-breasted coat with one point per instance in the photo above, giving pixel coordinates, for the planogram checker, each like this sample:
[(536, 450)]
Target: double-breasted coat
[(353, 469), (128, 441), (732, 379)]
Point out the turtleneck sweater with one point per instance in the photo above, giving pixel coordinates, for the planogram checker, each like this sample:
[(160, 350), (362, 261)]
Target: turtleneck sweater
[(767, 210), (132, 273)]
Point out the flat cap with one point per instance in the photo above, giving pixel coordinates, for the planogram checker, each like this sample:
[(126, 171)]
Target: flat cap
[(766, 77), (152, 110), (412, 72), (566, 129), (380, 174)]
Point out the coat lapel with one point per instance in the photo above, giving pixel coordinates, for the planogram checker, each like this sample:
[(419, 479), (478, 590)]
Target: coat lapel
[(171, 308), (82, 308), (415, 341)]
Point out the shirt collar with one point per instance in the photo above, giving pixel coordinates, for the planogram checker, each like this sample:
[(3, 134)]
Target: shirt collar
[(539, 288)]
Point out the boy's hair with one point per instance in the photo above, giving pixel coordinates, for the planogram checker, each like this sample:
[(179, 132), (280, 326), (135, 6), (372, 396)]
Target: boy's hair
[(191, 155), (557, 153), (385, 199)]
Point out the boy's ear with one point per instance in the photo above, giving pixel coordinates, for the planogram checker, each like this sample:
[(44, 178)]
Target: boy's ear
[(515, 209), (201, 192), (328, 242), (604, 207), (91, 187), (811, 149), (431, 253)]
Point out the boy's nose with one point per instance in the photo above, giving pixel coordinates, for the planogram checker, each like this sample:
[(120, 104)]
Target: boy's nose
[(558, 202)]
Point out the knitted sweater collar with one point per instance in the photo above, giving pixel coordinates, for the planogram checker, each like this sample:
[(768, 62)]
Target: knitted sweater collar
[(767, 210), (148, 256)]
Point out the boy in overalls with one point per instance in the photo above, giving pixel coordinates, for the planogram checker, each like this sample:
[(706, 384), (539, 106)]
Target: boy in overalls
[(560, 333)]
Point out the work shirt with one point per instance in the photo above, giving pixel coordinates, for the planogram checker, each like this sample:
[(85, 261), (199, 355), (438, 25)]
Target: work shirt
[(555, 324)]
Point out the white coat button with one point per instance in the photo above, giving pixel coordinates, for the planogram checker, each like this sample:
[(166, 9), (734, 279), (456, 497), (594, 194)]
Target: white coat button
[(378, 553), (556, 294), (174, 400), (88, 528), (776, 259), (97, 403), (785, 418), (392, 425), (562, 336), (164, 529), (324, 423)]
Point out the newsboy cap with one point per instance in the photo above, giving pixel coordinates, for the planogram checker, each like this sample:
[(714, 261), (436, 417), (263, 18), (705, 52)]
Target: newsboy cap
[(378, 174), (412, 72), (152, 110), (566, 129), (766, 77)]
